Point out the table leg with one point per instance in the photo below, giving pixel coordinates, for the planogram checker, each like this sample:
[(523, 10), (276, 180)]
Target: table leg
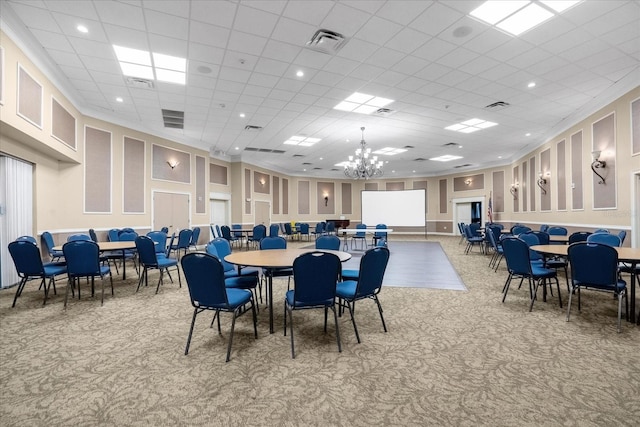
[(345, 246), (124, 265), (632, 305), (270, 299)]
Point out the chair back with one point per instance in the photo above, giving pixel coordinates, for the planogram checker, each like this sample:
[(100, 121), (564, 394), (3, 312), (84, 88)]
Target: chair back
[(259, 232), (275, 242), (381, 234), (490, 233), (274, 230), (315, 275), (160, 240), (128, 236), (146, 251), (519, 229), (82, 257), (328, 242), (92, 234), (543, 238), (287, 229), (557, 231), (475, 228), (26, 258), (223, 248), (226, 232), (184, 238), (495, 231), (372, 267), (127, 230), (601, 230), (76, 237), (47, 239), (205, 280), (114, 235), (361, 233), (195, 235), (604, 238), (165, 230), (622, 234), (304, 228), (531, 239), (236, 227), (544, 228), (170, 246), (29, 239), (210, 248), (319, 228), (516, 253), (579, 236), (330, 227), (593, 263), (218, 231)]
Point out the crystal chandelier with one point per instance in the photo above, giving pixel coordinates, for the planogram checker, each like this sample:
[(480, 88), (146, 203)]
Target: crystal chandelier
[(361, 166)]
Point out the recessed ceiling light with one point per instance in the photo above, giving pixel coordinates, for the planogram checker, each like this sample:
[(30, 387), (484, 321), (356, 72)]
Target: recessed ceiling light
[(499, 157), (138, 63), (471, 125), (82, 29), (119, 99), (527, 134), (299, 73), (237, 148), (242, 115), (302, 141), (362, 103), (389, 151), (532, 84), (445, 158), (516, 17)]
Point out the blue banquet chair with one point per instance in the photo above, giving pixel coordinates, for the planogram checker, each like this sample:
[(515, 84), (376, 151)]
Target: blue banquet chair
[(29, 266), (367, 286), (329, 242), (204, 274), (359, 236), (47, 240), (149, 259), (315, 275), (83, 260)]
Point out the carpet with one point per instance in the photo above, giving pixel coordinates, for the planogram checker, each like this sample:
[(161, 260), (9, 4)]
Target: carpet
[(415, 265)]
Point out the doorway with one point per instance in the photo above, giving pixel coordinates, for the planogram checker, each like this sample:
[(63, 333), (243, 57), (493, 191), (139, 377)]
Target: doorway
[(219, 213), (171, 210), (262, 213), (467, 210)]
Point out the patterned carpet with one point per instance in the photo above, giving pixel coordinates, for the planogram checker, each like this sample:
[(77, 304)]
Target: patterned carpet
[(450, 358)]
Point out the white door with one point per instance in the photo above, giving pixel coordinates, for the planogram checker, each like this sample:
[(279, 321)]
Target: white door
[(219, 213), (463, 214)]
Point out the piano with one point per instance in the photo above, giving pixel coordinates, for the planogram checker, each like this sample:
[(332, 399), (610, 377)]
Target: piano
[(339, 223)]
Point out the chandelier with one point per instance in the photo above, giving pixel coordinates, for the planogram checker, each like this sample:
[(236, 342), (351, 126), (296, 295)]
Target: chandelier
[(361, 166)]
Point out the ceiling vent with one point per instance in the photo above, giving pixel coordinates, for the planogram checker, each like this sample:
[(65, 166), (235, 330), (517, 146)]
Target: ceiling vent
[(173, 119), (334, 169), (326, 41), (463, 166), (451, 144), (384, 112), (139, 83), (264, 150), (307, 163), (408, 147), (298, 155), (420, 159), (317, 169), (496, 106), (252, 128)]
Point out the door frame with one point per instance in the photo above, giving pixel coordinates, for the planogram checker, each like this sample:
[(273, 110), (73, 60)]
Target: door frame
[(454, 203)]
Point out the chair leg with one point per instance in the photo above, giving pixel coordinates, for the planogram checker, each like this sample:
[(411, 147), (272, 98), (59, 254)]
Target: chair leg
[(353, 320), (569, 305), (335, 318), (193, 322), (535, 291), (384, 326), (233, 326), (505, 288), (255, 318)]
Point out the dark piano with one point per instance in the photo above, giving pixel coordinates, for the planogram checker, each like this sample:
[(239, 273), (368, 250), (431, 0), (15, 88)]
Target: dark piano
[(339, 223)]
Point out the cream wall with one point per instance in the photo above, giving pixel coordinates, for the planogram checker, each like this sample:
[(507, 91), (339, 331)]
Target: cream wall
[(59, 172)]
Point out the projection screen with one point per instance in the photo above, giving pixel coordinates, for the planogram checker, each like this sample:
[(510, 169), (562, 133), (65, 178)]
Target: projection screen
[(394, 208)]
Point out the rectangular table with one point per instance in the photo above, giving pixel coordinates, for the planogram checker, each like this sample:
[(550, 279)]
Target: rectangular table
[(627, 255), (369, 230)]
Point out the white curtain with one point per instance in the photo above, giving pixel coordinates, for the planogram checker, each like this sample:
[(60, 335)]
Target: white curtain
[(16, 211)]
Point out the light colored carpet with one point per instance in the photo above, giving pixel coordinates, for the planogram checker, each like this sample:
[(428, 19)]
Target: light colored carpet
[(449, 358)]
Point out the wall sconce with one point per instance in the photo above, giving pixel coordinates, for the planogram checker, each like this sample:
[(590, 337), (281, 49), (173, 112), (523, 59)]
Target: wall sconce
[(173, 163), (514, 190), (262, 181), (326, 198), (542, 181), (597, 164), (468, 182)]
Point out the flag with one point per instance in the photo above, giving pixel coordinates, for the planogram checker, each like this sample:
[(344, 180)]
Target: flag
[(490, 209)]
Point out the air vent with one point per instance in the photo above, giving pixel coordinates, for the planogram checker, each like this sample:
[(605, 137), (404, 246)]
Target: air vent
[(419, 159), (334, 169), (307, 163), (298, 155), (384, 112), (450, 144), (173, 119), (408, 147), (317, 169), (252, 128), (497, 106), (139, 83), (463, 166), (264, 150), (326, 41)]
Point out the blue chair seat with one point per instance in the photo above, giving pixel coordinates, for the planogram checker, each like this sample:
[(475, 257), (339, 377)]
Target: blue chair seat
[(164, 262), (289, 297), (350, 274), (235, 297), (621, 285), (347, 289), (241, 282), (53, 269), (541, 272)]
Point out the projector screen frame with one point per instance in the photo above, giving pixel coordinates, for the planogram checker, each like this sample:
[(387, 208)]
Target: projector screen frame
[(372, 200)]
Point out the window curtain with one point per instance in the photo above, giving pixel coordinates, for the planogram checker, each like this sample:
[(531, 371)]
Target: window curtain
[(16, 211)]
